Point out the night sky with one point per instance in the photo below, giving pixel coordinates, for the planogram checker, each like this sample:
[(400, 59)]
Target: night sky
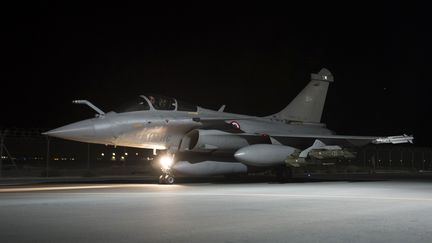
[(252, 58)]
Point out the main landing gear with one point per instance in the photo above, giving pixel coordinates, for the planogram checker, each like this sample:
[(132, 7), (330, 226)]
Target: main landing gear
[(167, 177), (283, 173)]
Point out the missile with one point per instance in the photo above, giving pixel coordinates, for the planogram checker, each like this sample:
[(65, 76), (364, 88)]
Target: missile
[(394, 139)]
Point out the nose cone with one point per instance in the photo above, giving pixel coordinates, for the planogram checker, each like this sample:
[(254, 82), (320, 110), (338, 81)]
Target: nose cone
[(79, 131)]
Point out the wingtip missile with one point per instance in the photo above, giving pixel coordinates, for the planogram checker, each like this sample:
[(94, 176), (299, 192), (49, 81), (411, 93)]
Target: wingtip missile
[(394, 139)]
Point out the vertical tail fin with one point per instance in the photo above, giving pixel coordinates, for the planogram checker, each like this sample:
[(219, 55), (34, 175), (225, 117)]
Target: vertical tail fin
[(308, 105)]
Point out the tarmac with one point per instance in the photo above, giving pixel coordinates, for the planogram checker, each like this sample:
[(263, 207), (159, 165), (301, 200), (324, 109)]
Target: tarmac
[(217, 211)]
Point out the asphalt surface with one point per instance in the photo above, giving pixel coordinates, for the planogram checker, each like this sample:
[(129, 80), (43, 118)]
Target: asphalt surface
[(298, 211)]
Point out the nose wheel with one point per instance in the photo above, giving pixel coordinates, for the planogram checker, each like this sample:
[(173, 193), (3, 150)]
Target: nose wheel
[(167, 177)]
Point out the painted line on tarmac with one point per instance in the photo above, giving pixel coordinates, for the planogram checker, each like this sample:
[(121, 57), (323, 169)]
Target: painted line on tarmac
[(139, 194), (59, 188)]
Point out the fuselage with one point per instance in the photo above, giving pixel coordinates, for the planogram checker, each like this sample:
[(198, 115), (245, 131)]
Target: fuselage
[(203, 141), (165, 129)]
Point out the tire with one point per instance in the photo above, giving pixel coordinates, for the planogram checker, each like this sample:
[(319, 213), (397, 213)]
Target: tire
[(284, 174), (161, 179), (170, 180)]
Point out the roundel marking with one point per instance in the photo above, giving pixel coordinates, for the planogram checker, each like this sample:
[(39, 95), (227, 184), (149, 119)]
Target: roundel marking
[(235, 124)]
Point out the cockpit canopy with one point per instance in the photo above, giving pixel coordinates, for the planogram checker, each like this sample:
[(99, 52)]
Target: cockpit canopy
[(156, 102)]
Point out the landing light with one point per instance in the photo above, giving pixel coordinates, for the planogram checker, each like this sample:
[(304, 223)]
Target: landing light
[(166, 161)]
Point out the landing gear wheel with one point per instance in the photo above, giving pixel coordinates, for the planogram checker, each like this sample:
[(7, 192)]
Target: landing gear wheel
[(167, 177), (284, 174), (169, 180), (161, 179)]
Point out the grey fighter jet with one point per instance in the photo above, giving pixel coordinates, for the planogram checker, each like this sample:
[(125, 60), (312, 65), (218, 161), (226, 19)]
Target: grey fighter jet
[(196, 141)]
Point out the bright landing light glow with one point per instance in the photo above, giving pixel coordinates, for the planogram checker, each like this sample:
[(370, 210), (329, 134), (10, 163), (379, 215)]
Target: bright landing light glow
[(166, 161)]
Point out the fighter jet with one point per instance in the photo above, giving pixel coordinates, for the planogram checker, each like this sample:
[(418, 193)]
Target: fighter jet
[(193, 140)]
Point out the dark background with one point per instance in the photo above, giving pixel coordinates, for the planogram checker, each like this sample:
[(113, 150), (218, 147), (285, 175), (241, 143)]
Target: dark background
[(252, 58)]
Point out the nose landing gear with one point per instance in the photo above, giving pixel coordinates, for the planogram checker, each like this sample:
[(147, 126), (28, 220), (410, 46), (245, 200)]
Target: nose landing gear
[(166, 162), (167, 177)]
